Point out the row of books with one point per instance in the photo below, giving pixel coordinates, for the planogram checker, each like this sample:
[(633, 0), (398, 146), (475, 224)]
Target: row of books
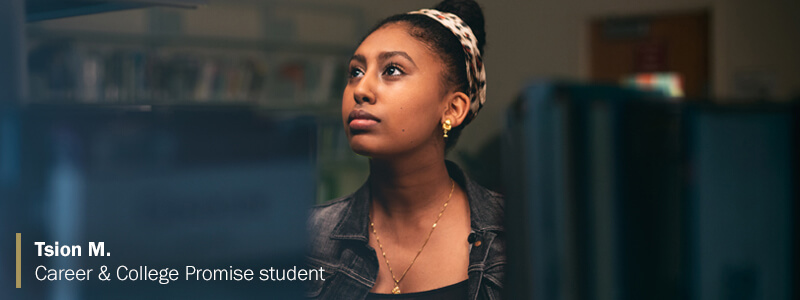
[(86, 73)]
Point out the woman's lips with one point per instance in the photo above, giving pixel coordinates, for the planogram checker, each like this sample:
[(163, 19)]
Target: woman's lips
[(361, 120)]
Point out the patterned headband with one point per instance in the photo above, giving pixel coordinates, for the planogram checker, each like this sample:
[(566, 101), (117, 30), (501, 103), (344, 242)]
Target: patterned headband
[(475, 71)]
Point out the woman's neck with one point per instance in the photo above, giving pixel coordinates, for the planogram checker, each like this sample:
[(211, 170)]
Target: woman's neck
[(407, 189)]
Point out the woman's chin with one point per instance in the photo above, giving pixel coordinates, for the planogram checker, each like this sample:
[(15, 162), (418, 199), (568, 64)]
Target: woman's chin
[(362, 147), (370, 147)]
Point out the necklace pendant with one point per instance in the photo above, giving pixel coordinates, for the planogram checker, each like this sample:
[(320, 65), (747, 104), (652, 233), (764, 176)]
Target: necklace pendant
[(396, 290)]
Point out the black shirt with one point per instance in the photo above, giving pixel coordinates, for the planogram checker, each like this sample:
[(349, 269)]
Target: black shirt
[(456, 291)]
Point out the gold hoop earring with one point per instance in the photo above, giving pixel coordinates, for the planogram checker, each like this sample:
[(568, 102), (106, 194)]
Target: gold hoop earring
[(446, 126)]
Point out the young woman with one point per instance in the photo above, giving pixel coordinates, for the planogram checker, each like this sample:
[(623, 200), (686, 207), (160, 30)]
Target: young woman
[(419, 228)]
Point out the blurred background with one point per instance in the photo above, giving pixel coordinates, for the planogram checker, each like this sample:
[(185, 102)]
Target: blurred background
[(648, 150)]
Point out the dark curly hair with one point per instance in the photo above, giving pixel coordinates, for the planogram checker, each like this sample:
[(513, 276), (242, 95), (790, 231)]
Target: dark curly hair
[(446, 45)]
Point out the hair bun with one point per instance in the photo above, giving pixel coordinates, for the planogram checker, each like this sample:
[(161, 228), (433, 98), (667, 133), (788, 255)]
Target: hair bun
[(469, 11)]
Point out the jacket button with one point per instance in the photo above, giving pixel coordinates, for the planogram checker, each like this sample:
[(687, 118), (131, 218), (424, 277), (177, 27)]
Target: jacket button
[(472, 237), (477, 244)]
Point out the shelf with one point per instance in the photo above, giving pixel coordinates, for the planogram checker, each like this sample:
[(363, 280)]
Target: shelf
[(324, 111), (170, 40), (38, 10), (135, 69)]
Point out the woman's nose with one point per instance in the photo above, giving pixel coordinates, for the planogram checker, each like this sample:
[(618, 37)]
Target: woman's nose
[(363, 91)]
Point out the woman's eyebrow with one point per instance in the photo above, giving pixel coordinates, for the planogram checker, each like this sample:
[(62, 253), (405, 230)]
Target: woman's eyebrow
[(359, 58), (386, 55)]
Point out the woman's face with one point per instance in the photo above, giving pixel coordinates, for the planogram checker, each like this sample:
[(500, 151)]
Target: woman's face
[(393, 103)]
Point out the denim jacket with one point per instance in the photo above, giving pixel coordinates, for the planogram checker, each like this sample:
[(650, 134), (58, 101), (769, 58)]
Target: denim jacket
[(340, 236)]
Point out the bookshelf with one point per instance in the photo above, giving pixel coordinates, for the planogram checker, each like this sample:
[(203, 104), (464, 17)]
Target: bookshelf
[(173, 70), (107, 68), (14, 14), (181, 64), (163, 72)]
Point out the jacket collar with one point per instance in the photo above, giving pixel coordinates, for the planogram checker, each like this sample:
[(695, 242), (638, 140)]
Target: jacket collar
[(485, 215), (354, 225)]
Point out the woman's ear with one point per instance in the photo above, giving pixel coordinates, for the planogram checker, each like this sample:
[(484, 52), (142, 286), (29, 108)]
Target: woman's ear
[(457, 108)]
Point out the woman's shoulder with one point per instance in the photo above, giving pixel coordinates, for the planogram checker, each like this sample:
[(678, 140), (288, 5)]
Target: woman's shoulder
[(495, 198), (487, 206)]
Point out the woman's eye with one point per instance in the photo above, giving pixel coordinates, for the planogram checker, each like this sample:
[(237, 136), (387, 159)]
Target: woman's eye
[(393, 70), (355, 72)]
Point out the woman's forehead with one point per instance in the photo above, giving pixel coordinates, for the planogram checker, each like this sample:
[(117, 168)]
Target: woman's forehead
[(393, 38)]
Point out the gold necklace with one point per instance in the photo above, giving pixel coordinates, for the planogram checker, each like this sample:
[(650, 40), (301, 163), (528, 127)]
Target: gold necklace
[(396, 289)]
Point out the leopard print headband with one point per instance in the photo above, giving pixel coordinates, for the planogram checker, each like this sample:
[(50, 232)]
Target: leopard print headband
[(475, 71)]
